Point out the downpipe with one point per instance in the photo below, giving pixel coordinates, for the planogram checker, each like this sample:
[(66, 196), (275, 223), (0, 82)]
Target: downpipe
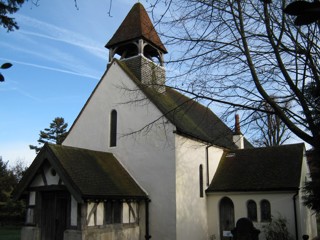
[(147, 236), (295, 214)]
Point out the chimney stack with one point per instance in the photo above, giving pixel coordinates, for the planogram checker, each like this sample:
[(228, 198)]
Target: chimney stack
[(237, 125), (237, 136)]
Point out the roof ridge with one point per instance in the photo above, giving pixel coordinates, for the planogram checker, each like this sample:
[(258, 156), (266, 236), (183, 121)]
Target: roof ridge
[(270, 147), (79, 148)]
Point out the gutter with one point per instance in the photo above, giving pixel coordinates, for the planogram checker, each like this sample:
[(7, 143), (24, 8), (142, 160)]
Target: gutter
[(295, 213)]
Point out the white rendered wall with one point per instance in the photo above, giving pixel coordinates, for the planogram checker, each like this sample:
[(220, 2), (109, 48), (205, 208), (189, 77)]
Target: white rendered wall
[(214, 157), (37, 181), (281, 203), (147, 155), (30, 211), (306, 218), (74, 212), (32, 198), (49, 178), (129, 212), (191, 208), (95, 214), (90, 218), (125, 213)]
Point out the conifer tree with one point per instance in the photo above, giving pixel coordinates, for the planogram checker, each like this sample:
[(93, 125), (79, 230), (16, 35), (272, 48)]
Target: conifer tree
[(8, 7), (56, 133)]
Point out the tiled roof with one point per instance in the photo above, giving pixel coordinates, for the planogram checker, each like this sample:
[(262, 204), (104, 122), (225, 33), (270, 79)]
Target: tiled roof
[(86, 173), (136, 25), (190, 117), (259, 169)]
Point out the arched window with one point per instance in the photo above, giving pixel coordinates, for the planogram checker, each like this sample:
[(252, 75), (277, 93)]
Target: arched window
[(265, 211), (252, 210), (113, 128)]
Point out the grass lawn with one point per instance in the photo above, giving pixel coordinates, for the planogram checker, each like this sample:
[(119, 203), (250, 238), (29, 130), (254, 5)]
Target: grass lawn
[(10, 233)]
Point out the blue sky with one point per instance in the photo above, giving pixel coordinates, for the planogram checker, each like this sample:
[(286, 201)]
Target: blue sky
[(58, 57)]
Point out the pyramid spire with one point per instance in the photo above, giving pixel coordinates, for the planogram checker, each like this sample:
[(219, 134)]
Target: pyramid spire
[(140, 48), (136, 25)]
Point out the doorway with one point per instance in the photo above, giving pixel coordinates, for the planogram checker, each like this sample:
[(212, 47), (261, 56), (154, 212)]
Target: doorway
[(54, 214), (226, 218)]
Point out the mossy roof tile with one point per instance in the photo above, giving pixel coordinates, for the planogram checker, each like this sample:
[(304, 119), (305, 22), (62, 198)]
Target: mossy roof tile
[(190, 117), (259, 169), (86, 173), (96, 173)]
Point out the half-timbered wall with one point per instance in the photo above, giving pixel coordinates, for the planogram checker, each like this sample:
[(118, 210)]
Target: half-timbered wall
[(98, 214), (74, 212), (43, 181), (47, 177), (30, 208), (97, 223)]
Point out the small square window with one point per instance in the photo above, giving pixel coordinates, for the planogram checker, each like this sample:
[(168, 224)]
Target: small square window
[(113, 212)]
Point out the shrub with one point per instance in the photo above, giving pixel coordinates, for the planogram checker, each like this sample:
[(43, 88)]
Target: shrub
[(277, 229)]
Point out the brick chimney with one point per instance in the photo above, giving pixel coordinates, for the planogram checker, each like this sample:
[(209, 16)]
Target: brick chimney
[(237, 135)]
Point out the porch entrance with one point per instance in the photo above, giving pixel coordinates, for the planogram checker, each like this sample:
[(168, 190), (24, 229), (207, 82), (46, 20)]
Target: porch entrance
[(54, 215)]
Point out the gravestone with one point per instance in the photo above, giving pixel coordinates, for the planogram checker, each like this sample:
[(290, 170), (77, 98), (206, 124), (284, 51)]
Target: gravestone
[(245, 230)]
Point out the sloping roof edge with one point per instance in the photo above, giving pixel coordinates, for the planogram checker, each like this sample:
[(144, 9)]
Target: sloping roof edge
[(88, 100), (144, 89), (45, 154)]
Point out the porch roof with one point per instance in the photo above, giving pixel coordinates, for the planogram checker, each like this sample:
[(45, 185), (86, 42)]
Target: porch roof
[(259, 169), (87, 174)]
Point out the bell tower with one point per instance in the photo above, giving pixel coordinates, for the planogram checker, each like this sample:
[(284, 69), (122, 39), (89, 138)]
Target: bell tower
[(137, 44)]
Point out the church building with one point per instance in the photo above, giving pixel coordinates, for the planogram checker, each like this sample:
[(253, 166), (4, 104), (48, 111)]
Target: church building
[(143, 161)]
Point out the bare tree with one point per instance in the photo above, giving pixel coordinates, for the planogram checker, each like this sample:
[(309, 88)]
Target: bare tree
[(244, 53), (270, 130)]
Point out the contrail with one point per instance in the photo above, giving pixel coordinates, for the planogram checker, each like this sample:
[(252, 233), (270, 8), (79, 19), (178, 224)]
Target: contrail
[(50, 68)]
